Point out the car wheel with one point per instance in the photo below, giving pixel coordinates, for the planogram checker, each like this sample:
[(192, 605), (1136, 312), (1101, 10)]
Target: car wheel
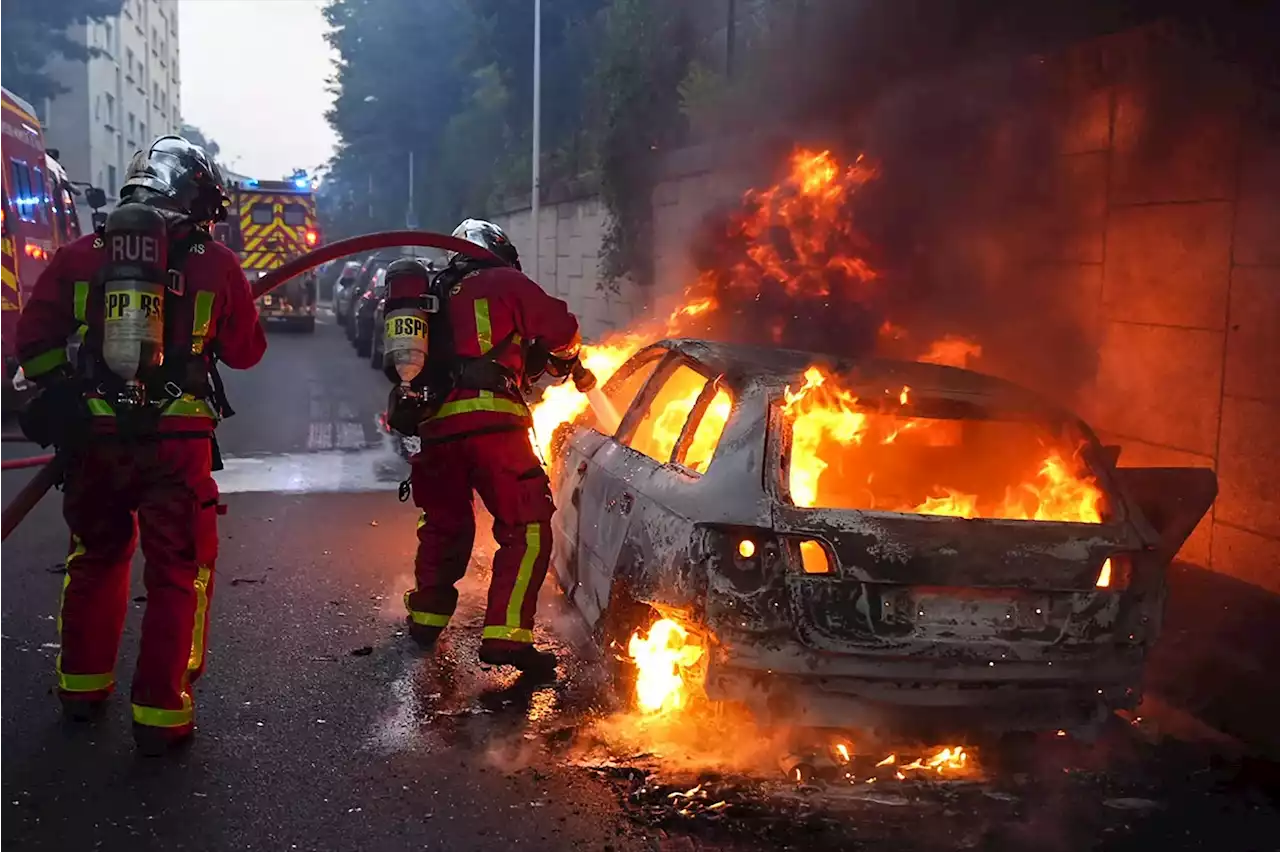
[(375, 357), (363, 345), (623, 617)]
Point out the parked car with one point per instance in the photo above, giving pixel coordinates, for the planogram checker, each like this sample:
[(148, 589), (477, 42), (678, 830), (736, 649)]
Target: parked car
[(342, 290), (364, 283), (366, 305), (867, 605)]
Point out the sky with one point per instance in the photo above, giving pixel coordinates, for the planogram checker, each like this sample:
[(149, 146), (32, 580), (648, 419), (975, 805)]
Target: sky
[(254, 76)]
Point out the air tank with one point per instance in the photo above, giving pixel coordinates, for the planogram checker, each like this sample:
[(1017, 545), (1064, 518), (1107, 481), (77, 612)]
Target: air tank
[(405, 330), (136, 245)]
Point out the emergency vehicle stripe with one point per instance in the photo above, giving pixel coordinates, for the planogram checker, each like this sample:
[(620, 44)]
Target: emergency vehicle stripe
[(12, 292), (159, 717), (77, 682), (484, 328), (44, 362), (482, 403), (532, 548), (196, 661)]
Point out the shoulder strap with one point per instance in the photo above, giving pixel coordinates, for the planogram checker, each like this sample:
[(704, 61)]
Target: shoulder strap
[(174, 369)]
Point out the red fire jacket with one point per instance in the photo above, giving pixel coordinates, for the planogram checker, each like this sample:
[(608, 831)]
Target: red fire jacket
[(217, 312), (489, 305)]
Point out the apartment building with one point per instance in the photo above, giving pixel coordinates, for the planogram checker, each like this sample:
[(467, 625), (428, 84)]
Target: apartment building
[(120, 99)]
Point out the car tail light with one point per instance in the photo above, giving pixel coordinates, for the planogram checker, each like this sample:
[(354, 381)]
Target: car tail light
[(1115, 572)]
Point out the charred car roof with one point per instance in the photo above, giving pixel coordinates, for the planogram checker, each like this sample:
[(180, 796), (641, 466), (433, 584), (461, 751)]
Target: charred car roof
[(743, 364)]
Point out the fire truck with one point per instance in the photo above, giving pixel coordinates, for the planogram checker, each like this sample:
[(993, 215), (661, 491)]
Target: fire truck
[(270, 222), (38, 215)]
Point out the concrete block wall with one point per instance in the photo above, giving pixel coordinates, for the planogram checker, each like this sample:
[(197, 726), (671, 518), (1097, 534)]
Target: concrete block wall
[(568, 262)]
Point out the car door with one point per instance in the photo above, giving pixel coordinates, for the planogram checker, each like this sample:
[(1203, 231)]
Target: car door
[(575, 482), (627, 471)]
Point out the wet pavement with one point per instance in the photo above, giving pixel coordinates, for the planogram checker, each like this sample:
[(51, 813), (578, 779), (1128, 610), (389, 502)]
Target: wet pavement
[(321, 727)]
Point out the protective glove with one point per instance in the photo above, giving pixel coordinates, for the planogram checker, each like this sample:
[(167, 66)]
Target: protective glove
[(57, 414), (406, 412)]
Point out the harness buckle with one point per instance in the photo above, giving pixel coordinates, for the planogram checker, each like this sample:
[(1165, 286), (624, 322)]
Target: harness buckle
[(172, 390)]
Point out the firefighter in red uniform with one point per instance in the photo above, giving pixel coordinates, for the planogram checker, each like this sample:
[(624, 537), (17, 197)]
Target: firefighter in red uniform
[(161, 308), (493, 324)]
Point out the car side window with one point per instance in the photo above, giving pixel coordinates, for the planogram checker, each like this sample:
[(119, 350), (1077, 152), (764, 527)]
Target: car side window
[(624, 391), (703, 429), (664, 418)]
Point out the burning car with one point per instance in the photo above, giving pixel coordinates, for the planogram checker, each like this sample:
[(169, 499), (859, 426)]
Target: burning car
[(868, 543)]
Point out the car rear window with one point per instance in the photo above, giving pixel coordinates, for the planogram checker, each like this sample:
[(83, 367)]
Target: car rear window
[(895, 455)]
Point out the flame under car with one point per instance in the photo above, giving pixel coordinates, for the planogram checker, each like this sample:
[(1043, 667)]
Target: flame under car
[(965, 553)]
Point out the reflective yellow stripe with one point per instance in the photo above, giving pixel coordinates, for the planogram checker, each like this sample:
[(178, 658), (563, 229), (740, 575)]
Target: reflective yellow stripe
[(201, 586), (81, 300), (188, 407), (158, 717), (203, 321), (84, 683), (484, 329), (44, 362), (429, 619), (482, 403), (76, 682), (532, 546), (422, 520), (512, 634)]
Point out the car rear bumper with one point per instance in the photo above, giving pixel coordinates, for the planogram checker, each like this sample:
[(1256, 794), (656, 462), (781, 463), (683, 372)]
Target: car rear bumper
[(944, 689)]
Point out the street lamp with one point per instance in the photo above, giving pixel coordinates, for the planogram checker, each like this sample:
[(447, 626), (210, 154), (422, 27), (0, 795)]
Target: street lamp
[(537, 133)]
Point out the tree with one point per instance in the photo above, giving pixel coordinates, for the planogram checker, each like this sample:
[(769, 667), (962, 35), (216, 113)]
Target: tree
[(35, 33)]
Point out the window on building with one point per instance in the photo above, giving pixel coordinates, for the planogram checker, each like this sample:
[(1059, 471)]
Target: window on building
[(133, 122), (112, 185), (111, 109), (128, 62), (142, 132), (155, 92), (23, 201), (110, 31)]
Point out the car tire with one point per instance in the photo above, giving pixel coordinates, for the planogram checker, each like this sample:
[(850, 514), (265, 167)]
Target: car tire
[(620, 620), (307, 326), (363, 346), (375, 357)]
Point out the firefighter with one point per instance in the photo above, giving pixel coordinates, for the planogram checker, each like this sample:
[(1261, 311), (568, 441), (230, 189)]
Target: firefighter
[(160, 303), (492, 324)]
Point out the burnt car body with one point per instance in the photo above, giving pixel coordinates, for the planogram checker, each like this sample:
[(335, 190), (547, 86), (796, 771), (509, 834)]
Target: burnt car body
[(916, 619)]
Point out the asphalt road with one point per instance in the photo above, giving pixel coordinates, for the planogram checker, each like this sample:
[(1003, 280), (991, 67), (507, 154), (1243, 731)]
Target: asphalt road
[(320, 727)]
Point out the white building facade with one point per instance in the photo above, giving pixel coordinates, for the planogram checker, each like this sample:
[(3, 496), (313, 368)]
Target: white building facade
[(120, 99)]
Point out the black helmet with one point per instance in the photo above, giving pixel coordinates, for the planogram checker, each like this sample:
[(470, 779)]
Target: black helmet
[(178, 175), (487, 235)]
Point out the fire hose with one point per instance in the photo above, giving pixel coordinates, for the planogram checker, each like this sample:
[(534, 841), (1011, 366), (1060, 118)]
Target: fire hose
[(51, 470)]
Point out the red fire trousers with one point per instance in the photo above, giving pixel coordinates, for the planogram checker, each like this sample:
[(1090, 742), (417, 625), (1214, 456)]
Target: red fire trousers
[(114, 491), (502, 468)]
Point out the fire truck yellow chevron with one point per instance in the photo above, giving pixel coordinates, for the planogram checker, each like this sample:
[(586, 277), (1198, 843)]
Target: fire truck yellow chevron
[(11, 292)]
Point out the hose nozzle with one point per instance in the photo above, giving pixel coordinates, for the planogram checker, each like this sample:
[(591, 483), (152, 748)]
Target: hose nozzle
[(583, 379)]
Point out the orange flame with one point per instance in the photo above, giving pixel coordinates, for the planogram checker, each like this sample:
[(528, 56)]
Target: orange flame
[(663, 658)]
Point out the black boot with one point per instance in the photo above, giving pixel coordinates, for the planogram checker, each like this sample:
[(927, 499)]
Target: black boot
[(526, 658), (155, 742), (425, 635), (74, 710)]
